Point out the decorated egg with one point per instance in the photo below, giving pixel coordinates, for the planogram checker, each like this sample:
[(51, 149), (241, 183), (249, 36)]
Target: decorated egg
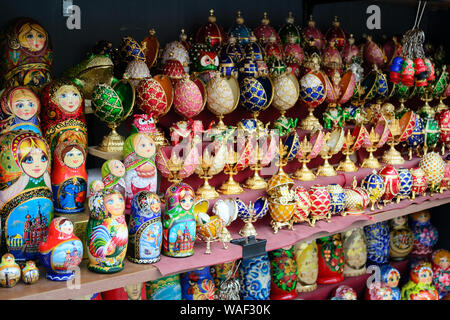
[(176, 51), (264, 31), (311, 32), (374, 186), (227, 67), (189, 97), (290, 31), (154, 96), (107, 104), (405, 184), (445, 183), (336, 34), (233, 49), (239, 30), (434, 168), (136, 71), (131, 50), (222, 94), (173, 69), (337, 196), (417, 136), (432, 132), (255, 96), (444, 124), (211, 32), (419, 182), (391, 182), (321, 203), (277, 181), (253, 49), (356, 200), (286, 91), (312, 90), (304, 204)]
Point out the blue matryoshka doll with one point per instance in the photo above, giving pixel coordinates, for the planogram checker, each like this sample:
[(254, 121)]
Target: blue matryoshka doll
[(145, 228), (391, 277), (378, 243), (197, 285), (255, 278), (179, 221)]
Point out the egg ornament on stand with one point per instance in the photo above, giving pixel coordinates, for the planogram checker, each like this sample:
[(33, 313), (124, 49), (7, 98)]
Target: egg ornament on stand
[(265, 31), (336, 34), (137, 71), (312, 32), (334, 141), (211, 32), (416, 139), (356, 199), (239, 30), (293, 55), (405, 186), (227, 210), (251, 213), (189, 97), (375, 187), (176, 51), (312, 93), (391, 182), (434, 168), (233, 49)]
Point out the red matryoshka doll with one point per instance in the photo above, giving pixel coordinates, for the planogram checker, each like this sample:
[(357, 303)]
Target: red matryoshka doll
[(26, 55), (139, 159), (420, 285), (379, 291), (62, 252), (69, 178), (441, 271), (391, 183), (113, 176), (283, 268), (331, 259), (62, 115), (179, 221), (130, 292), (344, 292), (106, 232), (20, 109), (25, 193)]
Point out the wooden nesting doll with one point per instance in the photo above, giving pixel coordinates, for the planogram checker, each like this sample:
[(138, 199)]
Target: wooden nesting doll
[(26, 55), (378, 243), (139, 159), (391, 277), (62, 252), (331, 259), (420, 285), (145, 228), (255, 278), (106, 232), (113, 176), (94, 187), (9, 271), (441, 271), (130, 292), (69, 178), (165, 288), (30, 273), (197, 285), (20, 108), (62, 115), (307, 265), (25, 193), (283, 269), (355, 252), (425, 234), (179, 221), (401, 237)]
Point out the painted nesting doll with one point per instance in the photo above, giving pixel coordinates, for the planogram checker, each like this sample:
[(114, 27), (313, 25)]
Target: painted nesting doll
[(441, 271), (25, 193), (113, 176), (94, 187), (344, 292), (197, 285), (30, 273), (331, 259), (283, 269), (106, 232), (26, 55), (9, 271), (379, 291), (139, 159), (402, 238), (179, 221), (425, 234), (255, 278), (165, 288), (62, 115), (145, 228), (378, 243), (69, 178), (355, 252), (131, 292), (420, 285), (307, 265), (391, 277), (62, 252), (20, 108)]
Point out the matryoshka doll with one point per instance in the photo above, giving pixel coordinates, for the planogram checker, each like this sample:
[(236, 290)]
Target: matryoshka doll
[(145, 228), (255, 278), (283, 267), (165, 288), (20, 109), (425, 234), (331, 259), (113, 176), (420, 285), (25, 197), (344, 292), (402, 238), (391, 277), (62, 115), (9, 271), (307, 265), (94, 187), (62, 252), (379, 291), (69, 178), (26, 55), (197, 285), (30, 273), (131, 292), (378, 243), (355, 252), (139, 152), (179, 221), (441, 271), (106, 232)]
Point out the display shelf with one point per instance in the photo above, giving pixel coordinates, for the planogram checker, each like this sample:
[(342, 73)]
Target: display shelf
[(91, 283), (324, 291)]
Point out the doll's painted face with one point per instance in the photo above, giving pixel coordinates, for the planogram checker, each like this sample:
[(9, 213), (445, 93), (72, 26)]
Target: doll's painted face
[(392, 280), (68, 98), (35, 163), (32, 36), (426, 276), (187, 201), (66, 227), (399, 221), (74, 158), (144, 146), (443, 262), (24, 104), (423, 217), (9, 258), (386, 294), (117, 168), (114, 204), (155, 204)]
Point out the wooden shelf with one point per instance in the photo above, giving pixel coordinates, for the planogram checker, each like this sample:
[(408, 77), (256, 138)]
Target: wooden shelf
[(91, 283)]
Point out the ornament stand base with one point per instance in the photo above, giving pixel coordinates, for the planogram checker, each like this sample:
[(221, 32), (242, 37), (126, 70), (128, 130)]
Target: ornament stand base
[(305, 288), (350, 272), (112, 142), (326, 170), (206, 191), (276, 226), (248, 229), (256, 182), (392, 156), (304, 173), (231, 187)]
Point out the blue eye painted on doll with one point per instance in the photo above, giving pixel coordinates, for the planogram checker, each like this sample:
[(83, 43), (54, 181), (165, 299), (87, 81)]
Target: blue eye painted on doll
[(30, 104), (19, 105), (40, 36), (44, 158), (75, 95), (29, 160), (30, 36), (110, 201)]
